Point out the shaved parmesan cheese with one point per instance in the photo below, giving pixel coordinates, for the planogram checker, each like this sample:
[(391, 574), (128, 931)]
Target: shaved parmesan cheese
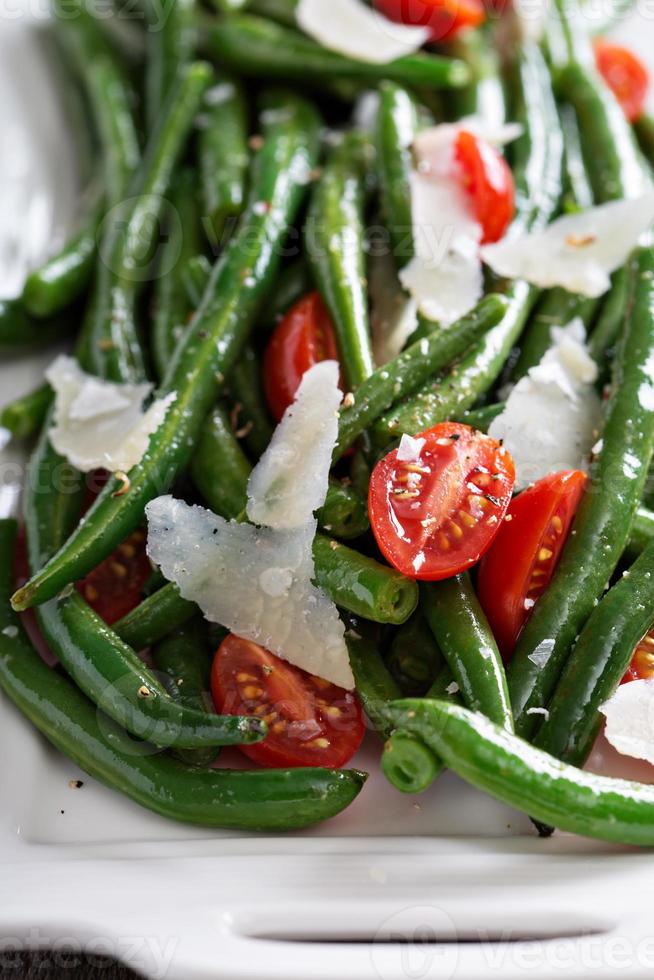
[(551, 416), (445, 276), (578, 251), (352, 29), (431, 143), (99, 424), (393, 314), (630, 719), (290, 480), (254, 581)]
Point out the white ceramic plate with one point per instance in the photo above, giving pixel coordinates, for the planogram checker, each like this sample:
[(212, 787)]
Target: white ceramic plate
[(447, 885)]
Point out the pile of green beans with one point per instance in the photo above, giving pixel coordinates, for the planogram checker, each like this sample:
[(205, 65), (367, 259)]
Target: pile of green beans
[(217, 203)]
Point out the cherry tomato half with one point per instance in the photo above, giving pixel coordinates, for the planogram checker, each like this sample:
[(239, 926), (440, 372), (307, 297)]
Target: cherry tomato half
[(115, 587), (311, 722), (436, 514), (515, 572), (304, 337), (626, 76), (488, 180), (444, 18), (641, 667)]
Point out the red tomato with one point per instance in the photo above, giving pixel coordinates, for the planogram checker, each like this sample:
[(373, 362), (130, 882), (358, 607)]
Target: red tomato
[(487, 178), (515, 572), (625, 75), (115, 587), (311, 722), (303, 338), (435, 516), (444, 18), (641, 667)]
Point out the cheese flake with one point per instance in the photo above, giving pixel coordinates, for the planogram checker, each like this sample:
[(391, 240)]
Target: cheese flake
[(356, 31), (630, 719), (552, 414), (99, 424), (577, 251)]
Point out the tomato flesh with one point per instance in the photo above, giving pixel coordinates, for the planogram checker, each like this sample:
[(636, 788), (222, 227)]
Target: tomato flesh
[(115, 587), (487, 178), (641, 667), (626, 76), (303, 337), (444, 18), (311, 722), (515, 572), (435, 515)]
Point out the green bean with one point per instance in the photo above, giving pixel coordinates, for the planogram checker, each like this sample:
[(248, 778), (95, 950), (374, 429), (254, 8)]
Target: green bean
[(611, 317), (614, 164), (362, 585), (537, 172), (598, 663), (466, 641), (413, 657), (644, 128), (170, 37), (578, 192), (400, 377), (255, 46), (258, 800), (155, 618), (220, 468), (293, 282), (642, 532), (250, 404), (109, 93), (395, 130), (335, 241), (557, 308), (374, 684), (283, 11), (602, 525), (223, 155), (19, 331), (514, 772), (64, 276), (171, 305), (481, 418), (344, 513), (128, 241), (239, 282), (183, 658), (24, 416), (196, 275), (483, 96)]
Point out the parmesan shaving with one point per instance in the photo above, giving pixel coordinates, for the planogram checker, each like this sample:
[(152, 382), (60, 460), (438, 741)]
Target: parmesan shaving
[(290, 480), (254, 581), (630, 719), (577, 251), (99, 424), (552, 414), (352, 29)]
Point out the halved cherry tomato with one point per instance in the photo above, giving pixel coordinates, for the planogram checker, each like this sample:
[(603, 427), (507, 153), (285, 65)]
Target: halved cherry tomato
[(641, 667), (444, 18), (115, 587), (310, 721), (487, 178), (304, 337), (515, 572), (626, 76), (436, 514)]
